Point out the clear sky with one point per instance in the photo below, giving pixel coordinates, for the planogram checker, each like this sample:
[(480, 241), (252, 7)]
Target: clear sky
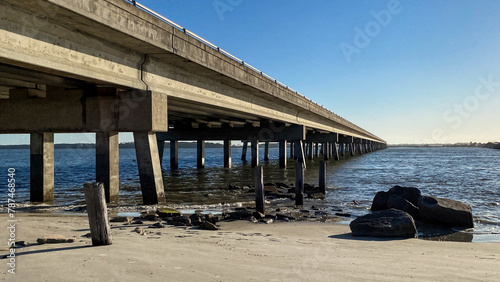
[(407, 71)]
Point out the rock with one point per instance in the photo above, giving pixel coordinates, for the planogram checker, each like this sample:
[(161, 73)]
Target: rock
[(240, 213), (157, 225), (168, 213), (400, 203), (20, 244), (445, 211), (258, 215), (270, 189), (380, 201), (150, 217), (266, 220), (208, 226), (183, 219), (137, 221), (387, 223), (343, 214), (409, 193), (196, 219), (54, 239), (140, 231)]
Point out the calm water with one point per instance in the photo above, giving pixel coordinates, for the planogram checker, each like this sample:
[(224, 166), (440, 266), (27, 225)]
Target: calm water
[(471, 175)]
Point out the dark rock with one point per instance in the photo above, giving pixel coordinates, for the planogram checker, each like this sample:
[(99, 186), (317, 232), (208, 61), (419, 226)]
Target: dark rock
[(343, 214), (234, 187), (282, 185), (123, 219), (409, 193), (400, 203), (137, 222), (183, 219), (196, 219), (380, 201), (241, 213), (258, 215), (20, 244), (445, 211), (150, 217), (208, 226), (157, 225), (266, 220), (387, 223), (283, 217), (316, 195), (211, 218)]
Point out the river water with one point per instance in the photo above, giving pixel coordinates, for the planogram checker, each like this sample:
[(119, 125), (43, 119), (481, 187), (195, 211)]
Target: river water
[(470, 175)]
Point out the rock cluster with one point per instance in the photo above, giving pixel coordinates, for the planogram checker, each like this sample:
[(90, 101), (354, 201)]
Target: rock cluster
[(410, 202)]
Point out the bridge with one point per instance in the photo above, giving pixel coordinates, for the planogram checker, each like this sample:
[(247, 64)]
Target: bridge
[(110, 66)]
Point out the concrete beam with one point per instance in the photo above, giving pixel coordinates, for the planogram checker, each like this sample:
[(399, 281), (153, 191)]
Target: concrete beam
[(107, 164), (294, 132), (322, 137), (41, 167), (148, 162)]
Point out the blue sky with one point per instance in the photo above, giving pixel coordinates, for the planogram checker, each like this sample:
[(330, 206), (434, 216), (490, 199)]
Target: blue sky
[(407, 71)]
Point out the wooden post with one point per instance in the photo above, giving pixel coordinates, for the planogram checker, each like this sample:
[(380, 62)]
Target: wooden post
[(255, 152), (322, 177), (174, 154), (200, 156), (299, 184), (244, 151), (97, 213), (266, 151), (227, 153), (282, 153), (259, 189)]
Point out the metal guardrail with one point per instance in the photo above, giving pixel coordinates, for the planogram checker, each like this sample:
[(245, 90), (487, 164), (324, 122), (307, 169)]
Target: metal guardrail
[(227, 54)]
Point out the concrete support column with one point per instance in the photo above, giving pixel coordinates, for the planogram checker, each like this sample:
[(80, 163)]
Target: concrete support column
[(316, 149), (227, 153), (174, 154), (326, 154), (352, 149), (148, 161), (299, 151), (161, 149), (266, 151), (335, 152), (200, 154), (292, 149), (244, 151), (107, 164), (41, 167), (342, 149), (310, 152), (255, 152), (282, 153), (330, 149)]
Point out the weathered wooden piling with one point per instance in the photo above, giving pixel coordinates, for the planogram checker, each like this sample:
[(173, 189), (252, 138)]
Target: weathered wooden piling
[(299, 184), (322, 177), (97, 211), (227, 153), (259, 189), (174, 154)]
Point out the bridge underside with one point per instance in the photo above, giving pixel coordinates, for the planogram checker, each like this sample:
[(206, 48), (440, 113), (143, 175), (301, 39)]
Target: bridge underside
[(65, 67)]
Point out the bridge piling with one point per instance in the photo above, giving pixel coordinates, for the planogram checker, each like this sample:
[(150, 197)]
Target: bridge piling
[(266, 151), (148, 162), (335, 152), (255, 152), (107, 164), (227, 153), (41, 167), (200, 154), (244, 151), (174, 154), (299, 184), (322, 177), (282, 153), (259, 189)]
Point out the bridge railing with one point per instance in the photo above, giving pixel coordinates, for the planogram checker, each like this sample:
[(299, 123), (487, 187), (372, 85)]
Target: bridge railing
[(227, 54)]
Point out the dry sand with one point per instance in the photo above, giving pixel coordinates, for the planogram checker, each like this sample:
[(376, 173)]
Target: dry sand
[(241, 251)]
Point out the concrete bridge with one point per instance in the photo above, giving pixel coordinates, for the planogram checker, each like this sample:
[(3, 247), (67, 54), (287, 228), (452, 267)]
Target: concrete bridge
[(110, 66)]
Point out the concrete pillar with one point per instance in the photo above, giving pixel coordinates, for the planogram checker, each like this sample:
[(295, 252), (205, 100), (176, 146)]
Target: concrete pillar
[(107, 164), (227, 153), (244, 151), (316, 149), (41, 167), (352, 149), (335, 152), (292, 149), (326, 154), (266, 151), (342, 149), (161, 149), (322, 177), (148, 161), (299, 151), (174, 154), (200, 154), (310, 152), (282, 153), (255, 152)]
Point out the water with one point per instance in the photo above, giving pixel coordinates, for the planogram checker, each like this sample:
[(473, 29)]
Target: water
[(470, 175)]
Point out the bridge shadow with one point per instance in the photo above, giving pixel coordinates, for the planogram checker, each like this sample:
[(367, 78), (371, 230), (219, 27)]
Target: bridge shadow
[(20, 253)]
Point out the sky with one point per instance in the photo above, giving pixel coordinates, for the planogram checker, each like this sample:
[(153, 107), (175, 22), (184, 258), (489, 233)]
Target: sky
[(407, 71)]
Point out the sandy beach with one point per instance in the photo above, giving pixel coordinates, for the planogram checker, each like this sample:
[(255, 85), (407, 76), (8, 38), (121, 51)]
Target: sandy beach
[(240, 251)]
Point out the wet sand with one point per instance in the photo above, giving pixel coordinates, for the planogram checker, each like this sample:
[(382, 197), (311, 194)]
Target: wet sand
[(240, 251)]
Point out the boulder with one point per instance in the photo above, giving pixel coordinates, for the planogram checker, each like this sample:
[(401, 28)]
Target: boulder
[(409, 193), (380, 201), (400, 203), (445, 211), (386, 223)]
